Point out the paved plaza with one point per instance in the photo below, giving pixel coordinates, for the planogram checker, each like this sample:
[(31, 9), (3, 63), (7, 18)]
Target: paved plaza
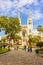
[(20, 57)]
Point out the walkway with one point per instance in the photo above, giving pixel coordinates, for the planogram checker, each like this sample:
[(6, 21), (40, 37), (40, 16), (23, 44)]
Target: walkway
[(20, 57)]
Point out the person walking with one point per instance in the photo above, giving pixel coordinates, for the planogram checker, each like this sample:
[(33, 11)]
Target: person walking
[(29, 46), (17, 45)]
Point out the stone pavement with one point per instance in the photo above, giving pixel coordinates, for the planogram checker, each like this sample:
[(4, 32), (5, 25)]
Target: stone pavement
[(20, 57)]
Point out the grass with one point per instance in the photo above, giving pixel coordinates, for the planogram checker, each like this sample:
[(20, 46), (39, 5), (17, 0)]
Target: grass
[(41, 52), (3, 50)]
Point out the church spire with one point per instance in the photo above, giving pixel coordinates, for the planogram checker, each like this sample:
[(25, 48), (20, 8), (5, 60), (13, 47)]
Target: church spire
[(29, 24), (29, 21), (19, 17)]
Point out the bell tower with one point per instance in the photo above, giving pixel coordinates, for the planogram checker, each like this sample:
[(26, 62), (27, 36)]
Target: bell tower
[(29, 25), (19, 17)]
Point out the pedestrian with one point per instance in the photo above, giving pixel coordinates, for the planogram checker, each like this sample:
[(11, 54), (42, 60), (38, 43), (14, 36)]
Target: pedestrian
[(30, 46), (17, 45), (25, 47)]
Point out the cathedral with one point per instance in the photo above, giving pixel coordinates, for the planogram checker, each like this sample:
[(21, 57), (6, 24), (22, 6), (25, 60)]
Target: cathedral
[(26, 29)]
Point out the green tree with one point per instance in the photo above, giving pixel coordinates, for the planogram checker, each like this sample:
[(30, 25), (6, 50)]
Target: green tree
[(3, 22), (40, 29), (33, 40), (10, 25), (17, 37), (14, 27)]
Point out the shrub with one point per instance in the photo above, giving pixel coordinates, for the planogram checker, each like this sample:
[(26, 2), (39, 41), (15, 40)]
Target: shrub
[(39, 44), (4, 45), (1, 44), (37, 51), (3, 50), (40, 47)]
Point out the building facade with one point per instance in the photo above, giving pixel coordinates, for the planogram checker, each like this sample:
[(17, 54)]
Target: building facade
[(26, 30)]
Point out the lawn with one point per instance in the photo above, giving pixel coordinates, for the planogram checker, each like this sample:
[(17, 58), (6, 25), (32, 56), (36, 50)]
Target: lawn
[(3, 50), (41, 52)]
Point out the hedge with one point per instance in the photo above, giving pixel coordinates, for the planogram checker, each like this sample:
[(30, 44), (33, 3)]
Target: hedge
[(39, 44)]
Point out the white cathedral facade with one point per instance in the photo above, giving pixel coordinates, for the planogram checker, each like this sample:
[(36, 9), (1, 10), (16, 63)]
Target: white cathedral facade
[(26, 29)]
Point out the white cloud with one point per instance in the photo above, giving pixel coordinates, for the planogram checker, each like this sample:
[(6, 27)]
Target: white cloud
[(24, 10), (37, 15), (41, 0), (35, 32), (25, 2), (6, 5), (14, 13), (36, 3)]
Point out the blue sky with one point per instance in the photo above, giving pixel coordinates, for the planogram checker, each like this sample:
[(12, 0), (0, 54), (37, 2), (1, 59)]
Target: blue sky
[(12, 7)]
